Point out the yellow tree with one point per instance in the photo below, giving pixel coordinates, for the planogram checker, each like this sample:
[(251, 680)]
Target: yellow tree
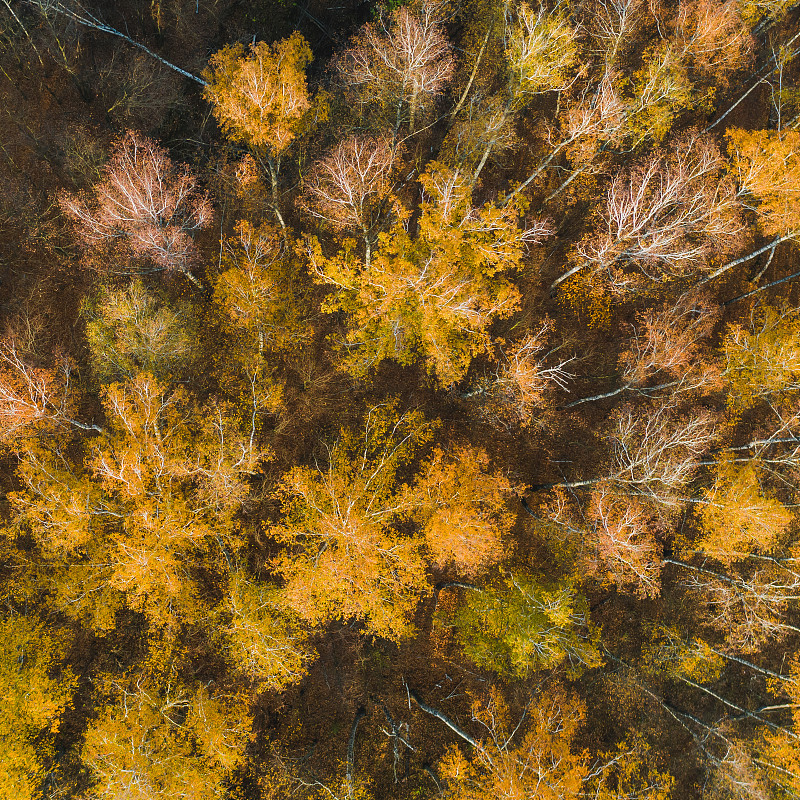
[(131, 331), (33, 698), (766, 165), (346, 560), (260, 97), (430, 295), (764, 362), (737, 516), (538, 763), (541, 52), (161, 740), (257, 290), (165, 479), (262, 640)]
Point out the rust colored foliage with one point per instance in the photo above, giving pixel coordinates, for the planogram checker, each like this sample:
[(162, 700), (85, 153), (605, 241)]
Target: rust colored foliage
[(465, 510), (145, 200), (626, 547), (668, 344), (537, 764)]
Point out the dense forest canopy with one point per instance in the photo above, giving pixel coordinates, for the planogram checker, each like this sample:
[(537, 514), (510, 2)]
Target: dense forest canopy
[(399, 400)]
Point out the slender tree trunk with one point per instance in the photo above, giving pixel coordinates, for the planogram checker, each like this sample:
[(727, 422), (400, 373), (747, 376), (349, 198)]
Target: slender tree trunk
[(763, 288), (88, 20), (594, 397), (490, 146), (367, 247), (465, 93), (568, 274), (542, 167), (446, 720), (193, 278), (752, 666), (744, 259), (351, 750), (274, 166)]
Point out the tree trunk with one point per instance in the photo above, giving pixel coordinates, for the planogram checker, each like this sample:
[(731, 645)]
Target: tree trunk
[(351, 750), (442, 718)]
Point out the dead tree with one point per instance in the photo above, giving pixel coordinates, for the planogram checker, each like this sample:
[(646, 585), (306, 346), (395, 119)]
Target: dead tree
[(147, 201)]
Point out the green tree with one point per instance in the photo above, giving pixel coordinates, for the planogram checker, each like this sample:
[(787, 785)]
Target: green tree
[(132, 331), (523, 624)]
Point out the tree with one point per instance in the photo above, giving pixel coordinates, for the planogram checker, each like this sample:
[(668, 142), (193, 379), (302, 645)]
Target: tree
[(626, 547), (32, 397), (261, 97), (349, 188), (34, 697), (526, 372), (405, 62), (763, 363), (132, 331), (653, 454), (523, 624), (667, 217), (259, 292), (737, 516), (146, 201), (767, 170), (159, 493), (263, 642), (748, 608), (666, 349), (540, 765), (164, 741), (463, 510), (346, 561), (656, 454), (434, 294), (540, 53)]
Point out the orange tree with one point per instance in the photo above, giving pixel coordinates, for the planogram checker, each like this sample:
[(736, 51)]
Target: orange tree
[(430, 294), (346, 560)]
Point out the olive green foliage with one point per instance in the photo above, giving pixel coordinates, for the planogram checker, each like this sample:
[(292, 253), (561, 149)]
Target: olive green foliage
[(522, 625), (133, 330)]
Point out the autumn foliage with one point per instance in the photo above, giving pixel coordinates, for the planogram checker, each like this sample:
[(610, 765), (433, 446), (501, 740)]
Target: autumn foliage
[(399, 400)]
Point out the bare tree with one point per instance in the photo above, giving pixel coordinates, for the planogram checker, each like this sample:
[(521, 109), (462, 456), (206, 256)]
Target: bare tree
[(749, 609), (653, 455), (31, 395), (147, 201), (406, 57), (664, 354), (666, 217), (347, 189)]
